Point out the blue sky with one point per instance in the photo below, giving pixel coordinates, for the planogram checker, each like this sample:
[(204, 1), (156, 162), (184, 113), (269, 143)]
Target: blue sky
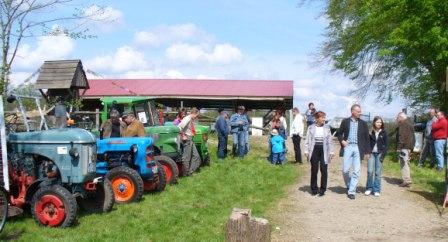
[(220, 39)]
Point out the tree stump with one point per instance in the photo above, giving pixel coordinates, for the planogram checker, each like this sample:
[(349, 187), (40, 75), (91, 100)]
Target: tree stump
[(242, 227)]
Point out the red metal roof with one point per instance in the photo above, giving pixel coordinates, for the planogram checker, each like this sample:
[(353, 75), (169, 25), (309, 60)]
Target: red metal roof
[(189, 87)]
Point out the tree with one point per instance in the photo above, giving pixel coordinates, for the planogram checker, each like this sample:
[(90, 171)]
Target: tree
[(390, 47), (21, 19)]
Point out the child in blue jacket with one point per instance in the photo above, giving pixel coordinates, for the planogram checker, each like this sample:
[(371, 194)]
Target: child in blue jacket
[(277, 148)]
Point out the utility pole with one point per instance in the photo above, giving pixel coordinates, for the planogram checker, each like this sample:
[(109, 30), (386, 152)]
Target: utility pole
[(445, 201)]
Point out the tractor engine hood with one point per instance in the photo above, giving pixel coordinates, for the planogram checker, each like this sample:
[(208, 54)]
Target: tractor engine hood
[(54, 136)]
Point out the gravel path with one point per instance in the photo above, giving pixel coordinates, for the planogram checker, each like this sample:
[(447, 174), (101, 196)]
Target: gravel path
[(398, 215)]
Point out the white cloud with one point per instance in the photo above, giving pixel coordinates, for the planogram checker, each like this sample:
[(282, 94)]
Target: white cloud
[(220, 54), (47, 48), (18, 78), (123, 60), (169, 34), (103, 18), (140, 74), (175, 74)]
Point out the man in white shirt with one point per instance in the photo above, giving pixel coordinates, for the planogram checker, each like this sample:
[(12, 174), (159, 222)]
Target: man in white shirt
[(297, 130), (190, 156)]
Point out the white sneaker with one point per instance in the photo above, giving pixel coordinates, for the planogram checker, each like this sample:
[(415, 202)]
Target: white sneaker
[(377, 194), (368, 192)]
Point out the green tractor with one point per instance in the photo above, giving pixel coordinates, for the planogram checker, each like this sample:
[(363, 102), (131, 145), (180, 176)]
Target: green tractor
[(166, 137)]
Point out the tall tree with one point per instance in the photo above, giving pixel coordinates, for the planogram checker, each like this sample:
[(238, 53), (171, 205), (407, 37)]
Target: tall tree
[(21, 19), (390, 47)]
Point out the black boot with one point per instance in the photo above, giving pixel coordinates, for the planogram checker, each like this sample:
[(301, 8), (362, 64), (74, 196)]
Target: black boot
[(234, 149)]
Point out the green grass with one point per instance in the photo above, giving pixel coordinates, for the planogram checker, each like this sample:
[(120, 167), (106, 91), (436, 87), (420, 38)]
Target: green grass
[(426, 181), (196, 209)]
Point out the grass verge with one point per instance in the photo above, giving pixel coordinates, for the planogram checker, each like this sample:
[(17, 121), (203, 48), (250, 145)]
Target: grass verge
[(427, 182), (196, 209)]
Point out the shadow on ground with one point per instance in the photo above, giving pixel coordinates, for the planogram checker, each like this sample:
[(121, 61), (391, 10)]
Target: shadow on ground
[(338, 189), (392, 180)]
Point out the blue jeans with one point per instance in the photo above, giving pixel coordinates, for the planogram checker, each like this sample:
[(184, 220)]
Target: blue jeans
[(239, 139), (222, 147), (278, 158), (351, 159), (439, 146), (374, 167)]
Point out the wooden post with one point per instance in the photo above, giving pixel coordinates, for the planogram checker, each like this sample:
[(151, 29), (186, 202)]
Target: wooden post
[(97, 119), (242, 227)]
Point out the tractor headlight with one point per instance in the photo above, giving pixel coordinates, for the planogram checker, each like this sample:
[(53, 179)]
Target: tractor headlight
[(154, 137), (134, 149), (74, 153)]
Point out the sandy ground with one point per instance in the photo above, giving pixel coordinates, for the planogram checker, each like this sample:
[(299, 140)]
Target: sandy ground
[(398, 215)]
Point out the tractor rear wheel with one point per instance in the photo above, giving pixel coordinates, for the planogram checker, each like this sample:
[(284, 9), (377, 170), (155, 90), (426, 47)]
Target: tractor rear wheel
[(54, 206), (170, 167), (127, 184), (158, 184), (101, 200)]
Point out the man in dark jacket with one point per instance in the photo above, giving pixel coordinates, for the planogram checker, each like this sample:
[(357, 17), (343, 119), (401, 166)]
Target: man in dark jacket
[(354, 137), (428, 144), (405, 144), (222, 129)]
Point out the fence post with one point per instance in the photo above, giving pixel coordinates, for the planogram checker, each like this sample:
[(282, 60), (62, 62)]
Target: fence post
[(97, 119)]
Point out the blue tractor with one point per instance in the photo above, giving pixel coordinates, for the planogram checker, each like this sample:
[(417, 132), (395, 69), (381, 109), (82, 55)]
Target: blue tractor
[(130, 166), (51, 172)]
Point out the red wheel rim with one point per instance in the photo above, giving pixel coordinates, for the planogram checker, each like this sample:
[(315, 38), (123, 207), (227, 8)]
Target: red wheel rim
[(168, 172), (50, 210)]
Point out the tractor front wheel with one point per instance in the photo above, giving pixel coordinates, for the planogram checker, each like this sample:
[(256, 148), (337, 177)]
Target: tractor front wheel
[(101, 200), (126, 184), (54, 206), (170, 167)]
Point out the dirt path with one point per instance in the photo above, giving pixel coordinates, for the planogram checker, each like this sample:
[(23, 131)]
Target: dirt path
[(398, 215)]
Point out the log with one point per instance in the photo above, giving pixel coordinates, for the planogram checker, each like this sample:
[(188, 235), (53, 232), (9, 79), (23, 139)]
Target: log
[(260, 229), (242, 227)]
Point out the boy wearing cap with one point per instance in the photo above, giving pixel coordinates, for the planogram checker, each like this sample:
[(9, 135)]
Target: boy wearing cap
[(134, 127), (277, 148)]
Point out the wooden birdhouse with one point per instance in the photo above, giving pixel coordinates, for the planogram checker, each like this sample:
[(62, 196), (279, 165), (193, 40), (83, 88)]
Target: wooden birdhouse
[(62, 78)]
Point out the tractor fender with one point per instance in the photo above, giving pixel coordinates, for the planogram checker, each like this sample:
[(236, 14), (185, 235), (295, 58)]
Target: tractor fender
[(32, 189)]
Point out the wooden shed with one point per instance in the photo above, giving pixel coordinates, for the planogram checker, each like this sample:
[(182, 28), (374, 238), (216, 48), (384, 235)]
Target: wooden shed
[(62, 78)]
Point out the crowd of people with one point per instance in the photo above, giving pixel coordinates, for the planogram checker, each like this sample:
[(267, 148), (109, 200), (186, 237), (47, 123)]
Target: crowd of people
[(357, 142)]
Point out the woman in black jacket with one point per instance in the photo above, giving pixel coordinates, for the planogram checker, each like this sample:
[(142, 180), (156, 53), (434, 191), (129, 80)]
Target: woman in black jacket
[(378, 146)]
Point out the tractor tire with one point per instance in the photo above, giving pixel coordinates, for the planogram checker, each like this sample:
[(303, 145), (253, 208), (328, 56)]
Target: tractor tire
[(183, 168), (54, 206), (170, 167), (99, 201), (206, 161), (127, 184), (160, 186)]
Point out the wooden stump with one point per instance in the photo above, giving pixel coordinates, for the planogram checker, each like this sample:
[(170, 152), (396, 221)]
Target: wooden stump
[(242, 227)]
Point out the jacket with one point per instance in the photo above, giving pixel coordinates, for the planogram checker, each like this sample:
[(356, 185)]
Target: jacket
[(428, 128), (135, 129), (221, 127), (363, 136), (310, 142), (277, 144), (405, 136), (235, 127), (439, 129), (297, 127), (382, 143), (106, 128)]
